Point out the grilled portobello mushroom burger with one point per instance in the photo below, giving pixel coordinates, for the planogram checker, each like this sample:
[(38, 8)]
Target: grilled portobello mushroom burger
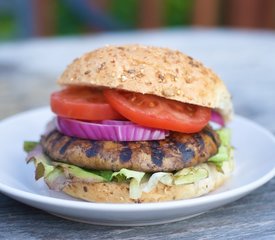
[(133, 125)]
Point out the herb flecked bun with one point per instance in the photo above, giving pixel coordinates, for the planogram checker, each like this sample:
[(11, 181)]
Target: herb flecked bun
[(150, 70)]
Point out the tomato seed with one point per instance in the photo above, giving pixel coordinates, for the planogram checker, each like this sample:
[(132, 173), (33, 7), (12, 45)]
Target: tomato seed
[(151, 104)]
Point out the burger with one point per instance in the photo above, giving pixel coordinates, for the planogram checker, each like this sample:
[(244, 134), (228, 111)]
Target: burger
[(136, 124)]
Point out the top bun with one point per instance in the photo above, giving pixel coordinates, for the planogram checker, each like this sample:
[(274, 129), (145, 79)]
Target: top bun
[(150, 70)]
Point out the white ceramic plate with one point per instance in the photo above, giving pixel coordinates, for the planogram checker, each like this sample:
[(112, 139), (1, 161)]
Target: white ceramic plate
[(253, 146)]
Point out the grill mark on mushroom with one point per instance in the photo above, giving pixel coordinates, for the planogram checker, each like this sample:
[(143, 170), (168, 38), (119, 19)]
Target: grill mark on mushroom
[(177, 151)]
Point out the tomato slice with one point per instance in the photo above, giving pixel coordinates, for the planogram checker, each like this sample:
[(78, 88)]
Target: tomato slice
[(157, 112), (82, 103)]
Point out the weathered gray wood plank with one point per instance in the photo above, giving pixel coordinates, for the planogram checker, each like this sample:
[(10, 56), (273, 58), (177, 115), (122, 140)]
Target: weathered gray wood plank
[(251, 217)]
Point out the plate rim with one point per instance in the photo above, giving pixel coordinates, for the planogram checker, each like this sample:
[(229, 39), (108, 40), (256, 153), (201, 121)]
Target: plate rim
[(120, 207)]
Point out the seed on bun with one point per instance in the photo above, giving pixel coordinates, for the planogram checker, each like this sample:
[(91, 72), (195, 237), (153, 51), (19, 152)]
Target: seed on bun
[(150, 70)]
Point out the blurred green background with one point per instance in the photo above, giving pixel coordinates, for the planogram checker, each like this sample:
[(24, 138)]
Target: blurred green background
[(123, 13), (34, 18)]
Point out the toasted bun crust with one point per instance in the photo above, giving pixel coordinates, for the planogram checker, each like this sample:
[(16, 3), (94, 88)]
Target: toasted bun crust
[(150, 70), (119, 192)]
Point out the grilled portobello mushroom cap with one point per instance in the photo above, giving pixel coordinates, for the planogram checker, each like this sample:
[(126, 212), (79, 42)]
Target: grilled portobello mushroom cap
[(177, 151)]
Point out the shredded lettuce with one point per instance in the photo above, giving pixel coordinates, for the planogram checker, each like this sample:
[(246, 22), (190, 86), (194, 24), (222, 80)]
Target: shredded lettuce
[(135, 178), (224, 149), (163, 177), (190, 175), (225, 136), (106, 174)]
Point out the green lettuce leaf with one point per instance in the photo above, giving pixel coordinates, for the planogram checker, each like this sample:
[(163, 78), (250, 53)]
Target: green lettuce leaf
[(65, 173), (42, 163), (224, 150), (135, 178), (225, 136), (163, 177), (190, 175), (71, 171), (29, 146)]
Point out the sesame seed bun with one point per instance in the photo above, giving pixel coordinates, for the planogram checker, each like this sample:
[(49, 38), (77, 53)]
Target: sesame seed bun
[(150, 70)]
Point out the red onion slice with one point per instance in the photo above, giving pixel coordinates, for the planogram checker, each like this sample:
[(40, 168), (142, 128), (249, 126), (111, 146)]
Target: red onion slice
[(108, 130), (217, 118)]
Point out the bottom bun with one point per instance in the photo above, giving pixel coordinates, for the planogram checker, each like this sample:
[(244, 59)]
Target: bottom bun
[(113, 192)]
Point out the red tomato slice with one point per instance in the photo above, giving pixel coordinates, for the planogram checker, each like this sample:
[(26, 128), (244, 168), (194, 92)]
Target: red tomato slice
[(82, 103), (158, 112)]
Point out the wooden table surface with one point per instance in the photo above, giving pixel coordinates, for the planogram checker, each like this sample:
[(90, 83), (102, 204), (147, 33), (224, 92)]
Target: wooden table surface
[(244, 60)]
